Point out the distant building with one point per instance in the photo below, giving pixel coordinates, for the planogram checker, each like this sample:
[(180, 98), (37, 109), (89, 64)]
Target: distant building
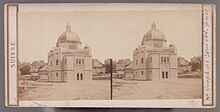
[(119, 73), (123, 62), (120, 67), (34, 69), (153, 60), (43, 74), (25, 77), (97, 67), (96, 63), (35, 76), (129, 71), (38, 64), (183, 65), (68, 62), (182, 61)]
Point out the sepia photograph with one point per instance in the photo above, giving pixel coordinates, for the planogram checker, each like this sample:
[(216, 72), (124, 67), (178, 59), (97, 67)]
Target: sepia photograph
[(67, 58)]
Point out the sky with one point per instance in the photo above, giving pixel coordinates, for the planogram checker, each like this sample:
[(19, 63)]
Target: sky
[(112, 34)]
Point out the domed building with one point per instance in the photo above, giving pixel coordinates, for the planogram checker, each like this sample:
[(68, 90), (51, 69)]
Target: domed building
[(152, 59), (67, 61)]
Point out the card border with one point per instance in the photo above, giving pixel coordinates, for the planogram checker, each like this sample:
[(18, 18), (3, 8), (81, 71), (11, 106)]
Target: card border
[(213, 52)]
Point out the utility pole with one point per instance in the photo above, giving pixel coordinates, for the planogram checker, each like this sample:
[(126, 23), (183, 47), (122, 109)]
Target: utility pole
[(111, 76)]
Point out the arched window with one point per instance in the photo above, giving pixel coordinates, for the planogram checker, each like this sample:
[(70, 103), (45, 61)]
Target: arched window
[(81, 76), (167, 75), (142, 60), (142, 72), (56, 74), (57, 62), (76, 60), (162, 75), (162, 59), (165, 59), (77, 76), (79, 61)]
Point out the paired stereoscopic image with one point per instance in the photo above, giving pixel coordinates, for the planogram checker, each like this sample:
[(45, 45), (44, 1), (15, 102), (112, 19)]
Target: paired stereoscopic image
[(66, 56)]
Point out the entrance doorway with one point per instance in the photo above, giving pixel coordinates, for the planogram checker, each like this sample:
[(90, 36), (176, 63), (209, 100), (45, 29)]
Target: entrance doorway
[(164, 72)]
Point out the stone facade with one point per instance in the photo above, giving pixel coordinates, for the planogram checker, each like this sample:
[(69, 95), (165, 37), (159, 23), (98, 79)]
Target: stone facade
[(67, 61), (152, 59)]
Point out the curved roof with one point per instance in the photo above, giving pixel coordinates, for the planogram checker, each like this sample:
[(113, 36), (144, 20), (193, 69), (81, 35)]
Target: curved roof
[(171, 45), (68, 35), (154, 34)]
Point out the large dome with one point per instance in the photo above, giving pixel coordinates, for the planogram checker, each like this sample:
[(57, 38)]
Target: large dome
[(69, 36), (154, 34)]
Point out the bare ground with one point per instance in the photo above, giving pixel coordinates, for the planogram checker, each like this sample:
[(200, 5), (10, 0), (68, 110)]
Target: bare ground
[(182, 88), (157, 89), (90, 90)]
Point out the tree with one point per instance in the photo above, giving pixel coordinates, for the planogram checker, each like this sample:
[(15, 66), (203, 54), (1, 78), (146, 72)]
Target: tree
[(196, 63), (108, 68), (25, 70), (38, 64)]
